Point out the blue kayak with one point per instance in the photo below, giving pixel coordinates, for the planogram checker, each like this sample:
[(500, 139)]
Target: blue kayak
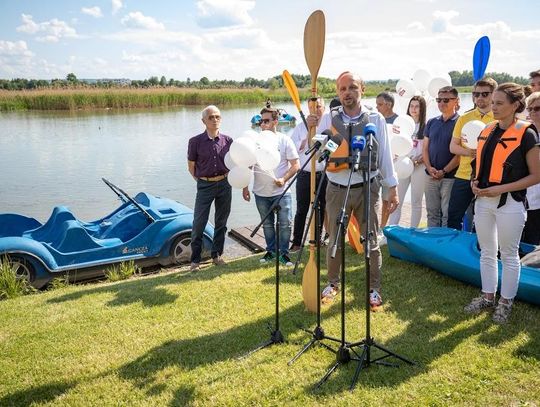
[(456, 254)]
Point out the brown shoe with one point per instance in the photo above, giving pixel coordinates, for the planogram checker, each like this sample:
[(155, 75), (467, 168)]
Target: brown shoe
[(218, 261), (295, 248), (194, 267)]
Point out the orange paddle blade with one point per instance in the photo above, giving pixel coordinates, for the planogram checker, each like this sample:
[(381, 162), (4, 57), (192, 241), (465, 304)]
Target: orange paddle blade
[(291, 88), (353, 233)]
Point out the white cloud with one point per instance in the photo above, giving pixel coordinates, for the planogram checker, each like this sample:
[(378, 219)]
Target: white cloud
[(92, 11), (224, 13), (240, 38), (139, 20), (18, 48), (116, 5), (442, 19), (416, 26), (50, 31)]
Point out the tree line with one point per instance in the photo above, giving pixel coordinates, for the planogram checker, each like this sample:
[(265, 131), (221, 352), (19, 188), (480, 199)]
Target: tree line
[(325, 85)]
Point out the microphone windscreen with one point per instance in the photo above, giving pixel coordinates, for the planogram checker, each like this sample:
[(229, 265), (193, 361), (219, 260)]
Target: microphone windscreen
[(370, 128)]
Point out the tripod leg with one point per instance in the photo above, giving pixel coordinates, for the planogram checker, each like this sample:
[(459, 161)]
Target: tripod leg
[(390, 353), (304, 349), (359, 368), (258, 348), (327, 375)]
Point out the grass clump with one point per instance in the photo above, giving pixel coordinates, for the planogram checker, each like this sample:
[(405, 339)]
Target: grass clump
[(122, 271), (12, 286)]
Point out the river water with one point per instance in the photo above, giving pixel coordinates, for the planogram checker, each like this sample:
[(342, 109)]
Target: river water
[(59, 158)]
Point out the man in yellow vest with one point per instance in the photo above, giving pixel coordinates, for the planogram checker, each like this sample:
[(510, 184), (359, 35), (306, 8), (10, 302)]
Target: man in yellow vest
[(461, 195)]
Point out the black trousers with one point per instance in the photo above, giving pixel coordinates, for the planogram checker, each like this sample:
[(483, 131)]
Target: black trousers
[(303, 198), (208, 192)]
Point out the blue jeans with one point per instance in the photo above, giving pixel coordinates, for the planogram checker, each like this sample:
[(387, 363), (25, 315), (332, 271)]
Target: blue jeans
[(460, 199), (208, 192), (264, 205)]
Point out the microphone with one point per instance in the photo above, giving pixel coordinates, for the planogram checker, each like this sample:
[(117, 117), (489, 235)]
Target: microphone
[(370, 130), (318, 141), (331, 146), (358, 143)]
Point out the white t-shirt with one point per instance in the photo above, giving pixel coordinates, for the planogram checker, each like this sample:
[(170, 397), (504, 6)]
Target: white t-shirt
[(263, 181), (300, 134)]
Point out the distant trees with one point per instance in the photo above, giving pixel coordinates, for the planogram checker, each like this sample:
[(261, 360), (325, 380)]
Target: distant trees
[(326, 86)]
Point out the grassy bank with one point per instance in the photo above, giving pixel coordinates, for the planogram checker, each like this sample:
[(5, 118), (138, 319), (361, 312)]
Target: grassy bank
[(174, 339), (81, 99)]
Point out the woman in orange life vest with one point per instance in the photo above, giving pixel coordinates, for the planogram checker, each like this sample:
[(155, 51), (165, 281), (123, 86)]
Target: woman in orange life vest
[(507, 162)]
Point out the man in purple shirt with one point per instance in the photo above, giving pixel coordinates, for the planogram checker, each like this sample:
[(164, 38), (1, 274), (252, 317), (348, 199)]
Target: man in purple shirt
[(206, 153)]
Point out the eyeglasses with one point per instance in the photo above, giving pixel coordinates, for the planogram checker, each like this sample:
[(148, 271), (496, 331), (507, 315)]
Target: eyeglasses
[(214, 116), (444, 100), (534, 109), (483, 94), (265, 121)]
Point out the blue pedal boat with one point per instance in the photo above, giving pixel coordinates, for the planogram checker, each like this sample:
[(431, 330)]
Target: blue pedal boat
[(455, 254), (284, 119), (147, 229)]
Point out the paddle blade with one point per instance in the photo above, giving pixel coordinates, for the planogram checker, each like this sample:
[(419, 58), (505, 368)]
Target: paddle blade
[(481, 57), (314, 35), (353, 232), (310, 291), (291, 88)]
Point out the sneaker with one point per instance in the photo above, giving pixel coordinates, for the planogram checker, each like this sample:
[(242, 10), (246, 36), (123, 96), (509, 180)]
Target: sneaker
[(294, 248), (218, 261), (375, 300), (502, 312), (285, 260), (325, 239), (329, 293), (268, 257), (194, 267), (381, 239), (479, 304)]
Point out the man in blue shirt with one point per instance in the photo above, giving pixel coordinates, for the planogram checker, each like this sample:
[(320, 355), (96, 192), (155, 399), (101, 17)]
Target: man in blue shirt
[(440, 163)]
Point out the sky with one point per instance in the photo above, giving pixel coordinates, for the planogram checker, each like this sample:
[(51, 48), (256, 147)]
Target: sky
[(235, 39)]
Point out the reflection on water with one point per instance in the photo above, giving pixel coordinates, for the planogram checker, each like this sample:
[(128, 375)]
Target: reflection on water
[(59, 158)]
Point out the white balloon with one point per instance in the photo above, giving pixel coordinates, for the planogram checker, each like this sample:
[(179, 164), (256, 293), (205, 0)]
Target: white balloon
[(239, 177), (437, 83), (229, 163), (470, 132), (250, 133), (404, 167), (405, 88), (421, 79), (405, 125), (243, 151), (401, 145), (268, 159)]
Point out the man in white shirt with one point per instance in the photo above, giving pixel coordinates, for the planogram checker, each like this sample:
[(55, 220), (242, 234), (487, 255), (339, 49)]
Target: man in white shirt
[(268, 187)]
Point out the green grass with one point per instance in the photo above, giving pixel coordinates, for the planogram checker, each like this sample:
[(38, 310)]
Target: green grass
[(11, 286), (175, 339), (122, 271)]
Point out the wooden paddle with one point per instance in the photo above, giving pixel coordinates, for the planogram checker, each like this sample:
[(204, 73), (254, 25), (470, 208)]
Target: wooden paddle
[(313, 51), (293, 92)]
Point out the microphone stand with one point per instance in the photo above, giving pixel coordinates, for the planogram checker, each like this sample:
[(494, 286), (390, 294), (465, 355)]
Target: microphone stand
[(318, 333), (276, 336), (368, 342), (343, 353)]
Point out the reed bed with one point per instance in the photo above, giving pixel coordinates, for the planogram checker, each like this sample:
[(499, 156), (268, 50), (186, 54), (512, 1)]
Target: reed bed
[(86, 99)]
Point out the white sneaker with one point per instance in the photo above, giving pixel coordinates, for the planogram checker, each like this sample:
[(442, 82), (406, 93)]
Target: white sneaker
[(381, 240)]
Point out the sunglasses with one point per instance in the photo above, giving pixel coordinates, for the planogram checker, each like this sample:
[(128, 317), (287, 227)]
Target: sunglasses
[(214, 116), (444, 100), (265, 121), (534, 109), (483, 94)]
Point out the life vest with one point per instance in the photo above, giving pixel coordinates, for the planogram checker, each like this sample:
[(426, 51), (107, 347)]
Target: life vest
[(506, 167), (340, 159)]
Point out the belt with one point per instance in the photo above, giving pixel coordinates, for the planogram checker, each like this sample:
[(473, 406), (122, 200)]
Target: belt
[(214, 179), (309, 172), (359, 185)]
